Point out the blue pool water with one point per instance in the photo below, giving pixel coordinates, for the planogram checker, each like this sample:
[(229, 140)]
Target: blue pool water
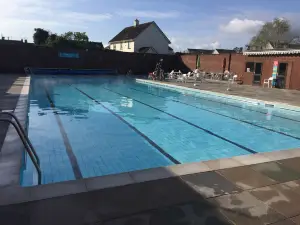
[(85, 126)]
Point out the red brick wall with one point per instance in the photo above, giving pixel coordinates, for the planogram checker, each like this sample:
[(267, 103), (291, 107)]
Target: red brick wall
[(209, 63), (189, 61), (293, 70), (213, 63), (294, 81), (13, 59), (238, 64)]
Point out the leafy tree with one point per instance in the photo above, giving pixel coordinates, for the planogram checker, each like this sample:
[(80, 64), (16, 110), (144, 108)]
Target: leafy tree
[(274, 32), (40, 36), (238, 49), (76, 36), (69, 39), (81, 36), (51, 40)]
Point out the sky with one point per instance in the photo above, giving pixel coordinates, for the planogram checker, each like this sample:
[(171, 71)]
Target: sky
[(187, 23)]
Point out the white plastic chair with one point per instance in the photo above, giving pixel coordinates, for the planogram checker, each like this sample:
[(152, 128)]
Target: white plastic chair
[(171, 75), (181, 78), (268, 82), (198, 77)]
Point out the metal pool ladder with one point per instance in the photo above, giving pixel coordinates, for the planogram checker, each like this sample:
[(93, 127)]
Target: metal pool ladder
[(26, 142)]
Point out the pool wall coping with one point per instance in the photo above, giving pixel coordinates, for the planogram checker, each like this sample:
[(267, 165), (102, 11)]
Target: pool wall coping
[(12, 152), (275, 104), (16, 194)]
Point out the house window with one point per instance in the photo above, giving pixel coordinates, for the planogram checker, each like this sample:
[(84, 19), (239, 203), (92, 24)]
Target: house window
[(114, 46), (249, 67), (128, 45), (121, 46)]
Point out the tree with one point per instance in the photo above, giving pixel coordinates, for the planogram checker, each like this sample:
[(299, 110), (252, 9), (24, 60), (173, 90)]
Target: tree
[(69, 39), (238, 49), (40, 36), (274, 32), (81, 36), (76, 36), (51, 40)]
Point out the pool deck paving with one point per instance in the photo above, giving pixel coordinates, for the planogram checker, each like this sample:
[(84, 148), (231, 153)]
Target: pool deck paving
[(263, 192), (10, 89), (285, 96), (261, 188)]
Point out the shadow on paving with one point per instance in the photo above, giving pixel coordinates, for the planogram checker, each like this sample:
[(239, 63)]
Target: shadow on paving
[(10, 89), (201, 198)]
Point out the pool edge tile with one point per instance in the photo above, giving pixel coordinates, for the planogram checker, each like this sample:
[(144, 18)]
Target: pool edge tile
[(151, 174), (224, 163), (251, 159), (282, 154), (14, 195), (57, 189), (218, 94), (188, 168), (109, 181)]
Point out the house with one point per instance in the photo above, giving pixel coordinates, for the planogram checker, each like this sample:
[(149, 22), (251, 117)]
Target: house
[(171, 51), (141, 38)]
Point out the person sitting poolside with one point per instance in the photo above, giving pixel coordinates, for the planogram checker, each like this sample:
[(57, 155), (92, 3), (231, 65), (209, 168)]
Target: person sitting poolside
[(226, 74), (129, 72)]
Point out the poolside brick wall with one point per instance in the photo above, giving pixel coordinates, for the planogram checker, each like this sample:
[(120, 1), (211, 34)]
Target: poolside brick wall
[(13, 59), (213, 63), (293, 70)]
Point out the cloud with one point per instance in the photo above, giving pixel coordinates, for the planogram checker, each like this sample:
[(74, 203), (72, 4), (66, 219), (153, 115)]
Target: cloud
[(149, 14), (215, 44), (242, 26), (86, 17), (180, 43), (19, 17)]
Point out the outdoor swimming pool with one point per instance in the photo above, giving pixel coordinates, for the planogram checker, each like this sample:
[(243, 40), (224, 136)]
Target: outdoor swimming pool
[(85, 126)]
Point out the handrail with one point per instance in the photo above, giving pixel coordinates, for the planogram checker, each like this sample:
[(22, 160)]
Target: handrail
[(23, 133), (27, 144)]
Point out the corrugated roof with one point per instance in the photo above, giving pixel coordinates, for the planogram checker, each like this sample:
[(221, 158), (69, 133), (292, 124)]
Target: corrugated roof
[(274, 52)]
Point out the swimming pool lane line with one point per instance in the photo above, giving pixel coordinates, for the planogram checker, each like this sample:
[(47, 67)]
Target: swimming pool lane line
[(207, 110), (171, 158), (69, 150), (210, 100), (183, 120)]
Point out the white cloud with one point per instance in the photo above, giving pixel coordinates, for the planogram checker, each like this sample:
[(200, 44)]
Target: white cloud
[(183, 43), (242, 26), (149, 14), (215, 44), (19, 17)]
